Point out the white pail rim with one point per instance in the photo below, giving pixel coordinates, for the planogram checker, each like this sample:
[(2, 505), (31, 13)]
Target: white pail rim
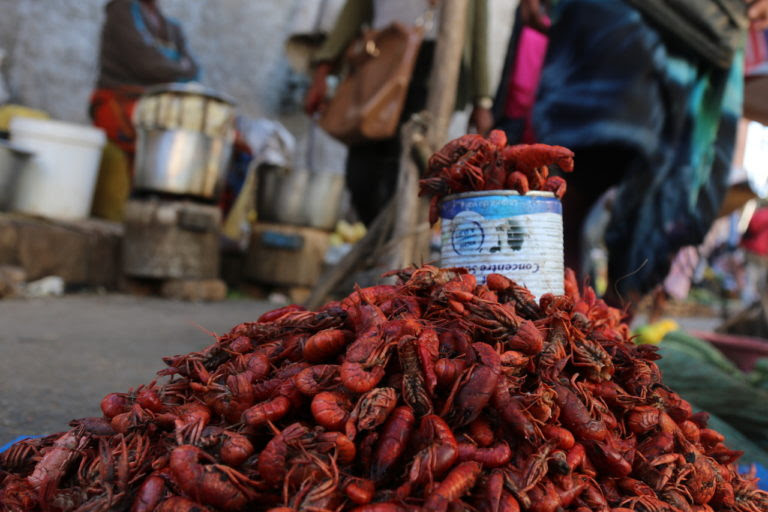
[(58, 130)]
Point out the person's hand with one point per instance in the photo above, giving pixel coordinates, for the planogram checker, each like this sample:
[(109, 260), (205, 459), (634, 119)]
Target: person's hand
[(315, 98), (481, 119), (758, 13), (532, 15)]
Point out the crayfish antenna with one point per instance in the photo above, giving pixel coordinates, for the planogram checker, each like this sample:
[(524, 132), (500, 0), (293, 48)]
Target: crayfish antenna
[(272, 427)]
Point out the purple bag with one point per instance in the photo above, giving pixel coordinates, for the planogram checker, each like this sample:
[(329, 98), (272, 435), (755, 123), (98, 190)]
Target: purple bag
[(524, 78)]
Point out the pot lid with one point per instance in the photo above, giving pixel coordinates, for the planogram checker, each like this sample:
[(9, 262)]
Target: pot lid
[(26, 129), (192, 88)]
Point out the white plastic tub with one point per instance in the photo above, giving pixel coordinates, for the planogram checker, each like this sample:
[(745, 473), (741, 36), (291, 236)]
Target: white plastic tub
[(61, 177)]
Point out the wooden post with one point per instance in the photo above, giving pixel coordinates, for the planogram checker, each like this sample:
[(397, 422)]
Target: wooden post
[(407, 226), (444, 79), (441, 101)]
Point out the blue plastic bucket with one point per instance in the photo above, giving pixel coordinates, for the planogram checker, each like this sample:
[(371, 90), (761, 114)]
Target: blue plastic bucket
[(11, 443)]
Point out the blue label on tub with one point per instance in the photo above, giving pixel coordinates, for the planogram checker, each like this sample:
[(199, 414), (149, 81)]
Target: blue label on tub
[(468, 234), (501, 206), (467, 237)]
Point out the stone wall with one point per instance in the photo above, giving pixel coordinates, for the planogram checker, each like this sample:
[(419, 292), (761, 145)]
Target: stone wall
[(53, 44), (51, 53), (52, 48)]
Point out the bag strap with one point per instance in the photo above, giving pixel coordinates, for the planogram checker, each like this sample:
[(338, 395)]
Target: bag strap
[(427, 19)]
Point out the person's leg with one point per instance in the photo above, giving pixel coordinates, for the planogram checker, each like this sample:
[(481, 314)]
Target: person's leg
[(372, 176), (596, 170), (373, 166)]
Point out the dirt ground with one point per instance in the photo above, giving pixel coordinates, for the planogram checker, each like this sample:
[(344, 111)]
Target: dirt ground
[(60, 356)]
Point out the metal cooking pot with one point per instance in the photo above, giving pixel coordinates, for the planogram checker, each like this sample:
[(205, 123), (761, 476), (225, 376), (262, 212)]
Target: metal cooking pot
[(184, 140), (299, 197), (12, 162), (323, 201), (181, 162), (280, 195)]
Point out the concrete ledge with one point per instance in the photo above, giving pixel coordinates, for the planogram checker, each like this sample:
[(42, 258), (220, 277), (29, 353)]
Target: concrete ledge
[(83, 253)]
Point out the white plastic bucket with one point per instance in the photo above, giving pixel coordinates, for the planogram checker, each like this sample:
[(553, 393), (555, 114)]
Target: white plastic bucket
[(61, 177), (505, 233)]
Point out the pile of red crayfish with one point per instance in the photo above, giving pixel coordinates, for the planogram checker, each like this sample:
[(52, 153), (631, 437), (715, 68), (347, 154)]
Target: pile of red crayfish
[(472, 162), (433, 394)]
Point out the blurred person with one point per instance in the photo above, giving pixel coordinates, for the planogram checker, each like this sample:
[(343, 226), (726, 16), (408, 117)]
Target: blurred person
[(140, 47), (754, 241), (372, 166), (755, 238), (520, 75), (643, 112)]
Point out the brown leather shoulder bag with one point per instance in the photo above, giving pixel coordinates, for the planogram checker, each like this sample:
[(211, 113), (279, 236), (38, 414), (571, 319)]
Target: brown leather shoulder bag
[(369, 99)]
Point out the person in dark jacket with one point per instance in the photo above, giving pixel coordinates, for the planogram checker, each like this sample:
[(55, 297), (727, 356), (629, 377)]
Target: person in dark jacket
[(648, 113)]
